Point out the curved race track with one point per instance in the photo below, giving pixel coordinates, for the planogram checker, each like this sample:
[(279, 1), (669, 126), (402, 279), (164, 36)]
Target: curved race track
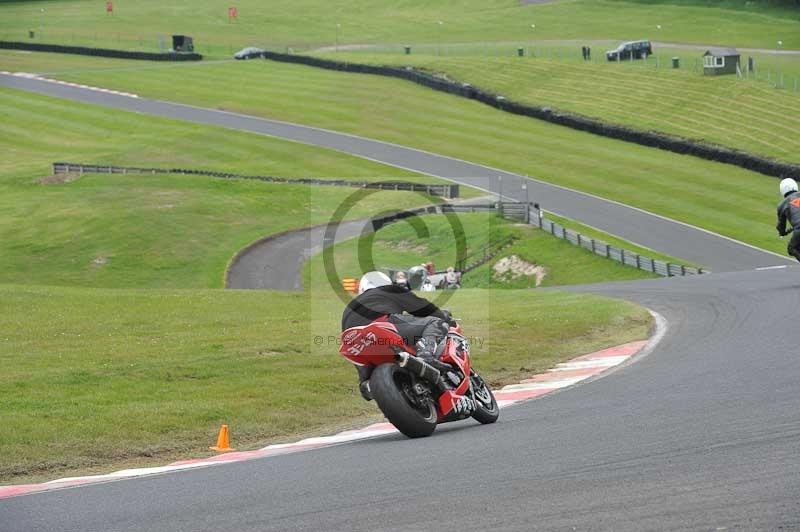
[(673, 238), (701, 434), (276, 262)]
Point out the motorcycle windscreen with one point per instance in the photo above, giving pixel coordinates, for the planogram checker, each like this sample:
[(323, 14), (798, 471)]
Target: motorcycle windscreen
[(371, 344)]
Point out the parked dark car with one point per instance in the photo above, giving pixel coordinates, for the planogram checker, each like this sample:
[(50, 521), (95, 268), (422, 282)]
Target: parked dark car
[(250, 52), (630, 50)]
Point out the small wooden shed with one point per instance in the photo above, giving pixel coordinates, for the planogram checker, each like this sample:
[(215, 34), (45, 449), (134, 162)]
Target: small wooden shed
[(717, 61)]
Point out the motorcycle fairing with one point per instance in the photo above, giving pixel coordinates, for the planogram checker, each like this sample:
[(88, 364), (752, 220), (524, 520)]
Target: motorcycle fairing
[(372, 344)]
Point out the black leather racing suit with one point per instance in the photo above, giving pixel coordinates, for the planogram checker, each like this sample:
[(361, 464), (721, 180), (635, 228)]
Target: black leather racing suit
[(789, 212), (424, 326)]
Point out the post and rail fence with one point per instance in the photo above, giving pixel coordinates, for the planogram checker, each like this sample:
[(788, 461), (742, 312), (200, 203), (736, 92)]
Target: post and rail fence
[(448, 191)]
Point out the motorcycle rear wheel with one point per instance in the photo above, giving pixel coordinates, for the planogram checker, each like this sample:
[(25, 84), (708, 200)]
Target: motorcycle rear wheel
[(391, 389)]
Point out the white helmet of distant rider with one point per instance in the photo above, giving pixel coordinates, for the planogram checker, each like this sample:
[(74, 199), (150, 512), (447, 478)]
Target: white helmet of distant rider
[(788, 185), (372, 280)]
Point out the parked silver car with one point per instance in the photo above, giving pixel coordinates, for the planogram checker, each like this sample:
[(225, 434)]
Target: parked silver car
[(251, 52)]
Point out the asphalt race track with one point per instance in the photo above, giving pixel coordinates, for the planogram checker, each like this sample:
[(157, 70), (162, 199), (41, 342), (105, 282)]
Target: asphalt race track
[(670, 237), (276, 263), (703, 433)]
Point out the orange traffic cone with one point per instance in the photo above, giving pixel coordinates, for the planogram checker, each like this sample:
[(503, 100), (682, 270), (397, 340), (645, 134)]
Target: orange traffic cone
[(223, 442)]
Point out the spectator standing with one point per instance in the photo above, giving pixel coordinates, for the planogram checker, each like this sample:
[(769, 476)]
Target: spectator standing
[(401, 280), (451, 279)]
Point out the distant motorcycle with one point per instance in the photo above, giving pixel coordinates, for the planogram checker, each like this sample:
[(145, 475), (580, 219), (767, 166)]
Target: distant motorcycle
[(412, 394)]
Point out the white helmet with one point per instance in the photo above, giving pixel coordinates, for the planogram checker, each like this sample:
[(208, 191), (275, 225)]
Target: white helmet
[(417, 276), (373, 280), (788, 185)]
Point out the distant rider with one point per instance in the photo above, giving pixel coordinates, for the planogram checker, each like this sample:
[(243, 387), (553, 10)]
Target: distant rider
[(424, 326), (789, 211)]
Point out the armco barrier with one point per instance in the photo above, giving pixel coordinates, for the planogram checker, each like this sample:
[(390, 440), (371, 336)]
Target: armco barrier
[(645, 138), (536, 217), (449, 191), (599, 247), (470, 261), (101, 52)]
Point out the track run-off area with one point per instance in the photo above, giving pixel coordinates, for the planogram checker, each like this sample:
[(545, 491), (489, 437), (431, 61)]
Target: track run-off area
[(702, 433)]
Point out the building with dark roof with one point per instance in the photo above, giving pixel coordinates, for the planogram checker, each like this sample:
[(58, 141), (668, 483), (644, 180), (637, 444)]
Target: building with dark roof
[(717, 61)]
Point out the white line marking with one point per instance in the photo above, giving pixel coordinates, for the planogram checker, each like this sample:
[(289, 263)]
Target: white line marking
[(591, 363), (544, 385), (771, 268), (37, 77)]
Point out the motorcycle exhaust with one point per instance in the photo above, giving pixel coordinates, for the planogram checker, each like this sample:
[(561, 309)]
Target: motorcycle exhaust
[(417, 366)]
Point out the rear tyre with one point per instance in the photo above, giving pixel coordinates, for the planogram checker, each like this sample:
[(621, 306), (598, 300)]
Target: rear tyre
[(486, 409), (391, 389)]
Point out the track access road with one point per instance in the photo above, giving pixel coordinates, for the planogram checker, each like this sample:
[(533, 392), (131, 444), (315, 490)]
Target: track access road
[(700, 434)]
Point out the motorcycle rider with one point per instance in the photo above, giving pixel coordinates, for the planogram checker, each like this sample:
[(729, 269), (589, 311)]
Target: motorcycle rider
[(789, 211), (424, 326)]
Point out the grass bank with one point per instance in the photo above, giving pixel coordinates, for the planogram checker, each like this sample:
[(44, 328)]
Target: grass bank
[(434, 238), (725, 199), (612, 240), (151, 230), (98, 379), (311, 23), (750, 115)]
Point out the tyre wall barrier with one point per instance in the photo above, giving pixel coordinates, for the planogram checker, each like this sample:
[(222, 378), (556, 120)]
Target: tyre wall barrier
[(448, 191), (651, 139), (101, 52)]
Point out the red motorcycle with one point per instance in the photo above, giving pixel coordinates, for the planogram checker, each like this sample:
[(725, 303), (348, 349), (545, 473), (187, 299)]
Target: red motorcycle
[(412, 394)]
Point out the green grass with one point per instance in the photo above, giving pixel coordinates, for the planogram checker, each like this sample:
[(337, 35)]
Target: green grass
[(433, 238), (151, 230), (96, 379), (407, 243), (749, 115), (99, 379), (38, 130), (311, 23), (725, 199), (565, 264), (612, 240)]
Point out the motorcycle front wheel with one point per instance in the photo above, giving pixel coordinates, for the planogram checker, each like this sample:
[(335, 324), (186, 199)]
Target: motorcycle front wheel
[(391, 387), (486, 409)]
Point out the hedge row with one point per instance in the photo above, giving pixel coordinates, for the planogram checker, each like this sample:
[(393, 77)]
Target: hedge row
[(104, 52), (645, 138)]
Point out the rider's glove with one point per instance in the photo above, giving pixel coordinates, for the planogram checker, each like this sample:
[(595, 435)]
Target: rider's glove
[(448, 317)]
